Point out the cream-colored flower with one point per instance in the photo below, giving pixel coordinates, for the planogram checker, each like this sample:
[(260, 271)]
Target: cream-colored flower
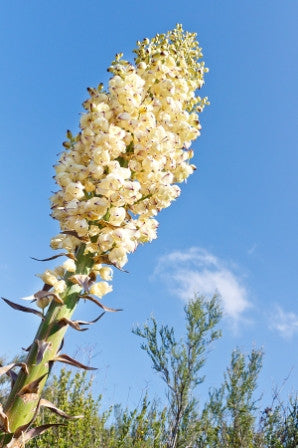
[(48, 277), (74, 190), (100, 289), (118, 256), (69, 265), (116, 215), (106, 273), (60, 287)]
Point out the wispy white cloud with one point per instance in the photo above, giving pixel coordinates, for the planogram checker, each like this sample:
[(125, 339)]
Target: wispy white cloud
[(197, 271), (252, 249), (286, 323)]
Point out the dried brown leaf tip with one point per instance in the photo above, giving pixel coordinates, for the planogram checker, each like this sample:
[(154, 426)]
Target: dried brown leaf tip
[(25, 309), (73, 362), (13, 376), (42, 347), (44, 297), (47, 404), (5, 369), (105, 260), (49, 258), (27, 349), (105, 308), (24, 437), (76, 324), (46, 287), (40, 295), (33, 387), (8, 370), (4, 423)]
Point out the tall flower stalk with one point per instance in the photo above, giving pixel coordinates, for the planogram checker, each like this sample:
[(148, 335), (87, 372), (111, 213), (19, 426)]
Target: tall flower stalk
[(113, 178)]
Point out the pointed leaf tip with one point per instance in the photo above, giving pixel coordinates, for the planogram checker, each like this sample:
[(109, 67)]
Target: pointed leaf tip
[(49, 258), (4, 423), (24, 437), (43, 294), (47, 404), (76, 324), (42, 347), (105, 308), (6, 369), (25, 309), (33, 387), (73, 362)]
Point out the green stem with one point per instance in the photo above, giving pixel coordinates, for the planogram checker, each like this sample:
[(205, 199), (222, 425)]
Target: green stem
[(20, 411)]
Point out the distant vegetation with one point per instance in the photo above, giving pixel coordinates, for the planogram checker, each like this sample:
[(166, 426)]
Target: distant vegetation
[(231, 417)]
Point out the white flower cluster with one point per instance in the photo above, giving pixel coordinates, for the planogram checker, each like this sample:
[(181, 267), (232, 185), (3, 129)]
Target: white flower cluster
[(134, 146)]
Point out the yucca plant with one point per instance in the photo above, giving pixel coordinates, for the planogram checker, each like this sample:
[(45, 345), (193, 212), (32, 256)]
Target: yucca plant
[(113, 179)]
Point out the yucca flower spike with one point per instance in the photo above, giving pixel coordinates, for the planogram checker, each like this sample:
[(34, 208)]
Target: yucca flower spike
[(113, 178)]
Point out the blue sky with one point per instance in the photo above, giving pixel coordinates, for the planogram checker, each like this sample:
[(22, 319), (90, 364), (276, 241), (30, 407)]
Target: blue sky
[(234, 228)]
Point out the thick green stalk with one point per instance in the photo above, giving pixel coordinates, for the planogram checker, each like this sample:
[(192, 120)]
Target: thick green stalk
[(20, 410)]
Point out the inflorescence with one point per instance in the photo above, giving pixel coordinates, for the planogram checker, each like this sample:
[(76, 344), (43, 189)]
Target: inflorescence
[(124, 165)]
